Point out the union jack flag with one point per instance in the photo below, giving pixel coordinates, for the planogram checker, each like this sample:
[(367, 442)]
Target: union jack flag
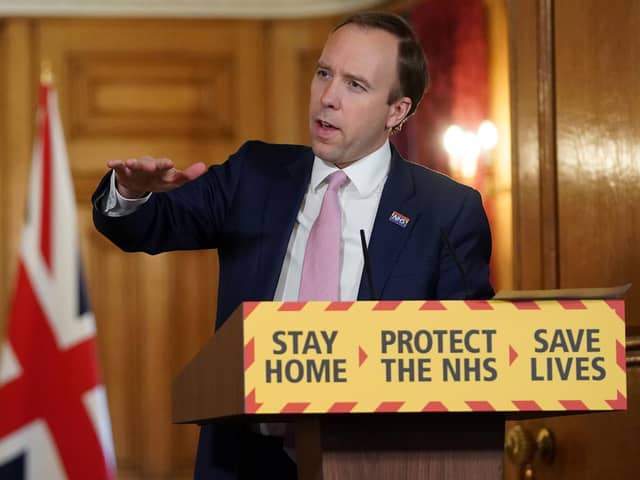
[(54, 420)]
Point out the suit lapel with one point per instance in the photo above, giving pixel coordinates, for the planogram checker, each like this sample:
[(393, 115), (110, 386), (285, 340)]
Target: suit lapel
[(282, 205), (388, 238)]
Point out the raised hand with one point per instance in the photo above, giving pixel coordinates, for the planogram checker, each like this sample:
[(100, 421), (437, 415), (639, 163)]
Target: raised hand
[(136, 177)]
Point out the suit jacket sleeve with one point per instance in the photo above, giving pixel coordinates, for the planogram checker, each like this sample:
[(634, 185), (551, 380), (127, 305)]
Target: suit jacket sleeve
[(464, 263), (189, 217)]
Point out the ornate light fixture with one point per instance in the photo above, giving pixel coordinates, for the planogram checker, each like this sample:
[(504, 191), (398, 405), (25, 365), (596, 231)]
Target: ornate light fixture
[(466, 149)]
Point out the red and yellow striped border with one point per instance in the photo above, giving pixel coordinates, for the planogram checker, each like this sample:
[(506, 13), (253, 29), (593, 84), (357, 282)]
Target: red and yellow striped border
[(618, 400)]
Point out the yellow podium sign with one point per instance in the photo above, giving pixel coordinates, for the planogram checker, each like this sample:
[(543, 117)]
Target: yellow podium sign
[(440, 356)]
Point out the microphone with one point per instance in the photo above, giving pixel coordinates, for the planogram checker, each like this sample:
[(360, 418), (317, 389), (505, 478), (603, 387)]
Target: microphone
[(456, 259), (367, 265)]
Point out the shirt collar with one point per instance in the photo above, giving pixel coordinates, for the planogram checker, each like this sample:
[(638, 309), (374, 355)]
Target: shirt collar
[(365, 174)]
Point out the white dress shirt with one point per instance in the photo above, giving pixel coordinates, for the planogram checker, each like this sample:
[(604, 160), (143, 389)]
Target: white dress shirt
[(358, 199), (118, 206)]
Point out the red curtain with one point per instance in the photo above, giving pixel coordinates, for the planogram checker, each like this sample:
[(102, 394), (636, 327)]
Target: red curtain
[(454, 36)]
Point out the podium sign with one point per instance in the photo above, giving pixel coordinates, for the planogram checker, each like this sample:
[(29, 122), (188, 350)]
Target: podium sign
[(434, 356)]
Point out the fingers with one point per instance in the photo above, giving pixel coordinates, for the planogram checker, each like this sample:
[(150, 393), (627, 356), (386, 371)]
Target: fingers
[(177, 178), (143, 164), (149, 164), (153, 174), (114, 163), (195, 170)]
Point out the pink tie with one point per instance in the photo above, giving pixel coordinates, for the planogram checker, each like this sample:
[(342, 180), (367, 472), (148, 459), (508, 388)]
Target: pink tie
[(321, 267)]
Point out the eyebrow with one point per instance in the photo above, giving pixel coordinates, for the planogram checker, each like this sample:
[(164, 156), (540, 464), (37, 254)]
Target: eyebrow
[(349, 76)]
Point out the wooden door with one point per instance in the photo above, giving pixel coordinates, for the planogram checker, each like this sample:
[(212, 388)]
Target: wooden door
[(576, 124)]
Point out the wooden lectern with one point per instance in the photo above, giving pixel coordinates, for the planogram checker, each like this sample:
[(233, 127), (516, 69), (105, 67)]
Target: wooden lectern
[(355, 440)]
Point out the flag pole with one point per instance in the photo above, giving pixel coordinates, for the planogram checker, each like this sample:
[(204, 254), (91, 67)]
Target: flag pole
[(46, 73)]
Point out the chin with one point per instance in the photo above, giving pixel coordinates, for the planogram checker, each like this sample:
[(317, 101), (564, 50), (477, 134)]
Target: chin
[(323, 151)]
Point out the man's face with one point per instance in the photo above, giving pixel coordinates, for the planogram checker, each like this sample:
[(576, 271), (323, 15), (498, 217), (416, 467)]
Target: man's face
[(349, 114)]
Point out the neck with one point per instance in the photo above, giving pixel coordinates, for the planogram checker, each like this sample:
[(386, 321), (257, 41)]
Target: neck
[(346, 163)]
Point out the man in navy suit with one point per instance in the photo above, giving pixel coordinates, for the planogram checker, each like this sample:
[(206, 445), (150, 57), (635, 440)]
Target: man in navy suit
[(428, 235)]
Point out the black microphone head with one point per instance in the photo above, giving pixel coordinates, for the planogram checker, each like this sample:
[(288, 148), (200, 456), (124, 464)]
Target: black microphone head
[(367, 265), (456, 260)]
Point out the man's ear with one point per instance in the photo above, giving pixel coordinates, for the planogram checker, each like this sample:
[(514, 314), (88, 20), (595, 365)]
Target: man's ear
[(398, 112)]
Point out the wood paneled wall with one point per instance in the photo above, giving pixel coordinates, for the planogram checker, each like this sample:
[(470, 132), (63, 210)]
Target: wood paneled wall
[(499, 192), (576, 124), (597, 131), (191, 90), (18, 97), (3, 193), (292, 56)]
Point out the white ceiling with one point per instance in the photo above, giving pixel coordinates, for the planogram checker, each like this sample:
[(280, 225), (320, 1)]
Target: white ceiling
[(182, 8)]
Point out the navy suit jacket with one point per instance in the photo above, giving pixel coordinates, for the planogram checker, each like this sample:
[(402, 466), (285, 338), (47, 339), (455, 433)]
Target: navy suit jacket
[(247, 207)]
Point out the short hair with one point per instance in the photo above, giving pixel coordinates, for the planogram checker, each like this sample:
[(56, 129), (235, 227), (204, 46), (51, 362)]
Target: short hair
[(412, 68)]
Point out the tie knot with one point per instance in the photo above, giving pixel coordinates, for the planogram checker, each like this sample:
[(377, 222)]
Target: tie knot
[(336, 180)]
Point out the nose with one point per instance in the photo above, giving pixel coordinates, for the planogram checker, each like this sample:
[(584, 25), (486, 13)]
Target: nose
[(330, 97)]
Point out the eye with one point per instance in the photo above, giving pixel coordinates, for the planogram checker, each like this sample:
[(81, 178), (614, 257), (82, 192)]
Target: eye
[(322, 73), (356, 85)]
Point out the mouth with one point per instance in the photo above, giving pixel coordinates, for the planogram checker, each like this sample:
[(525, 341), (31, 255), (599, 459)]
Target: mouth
[(324, 124), (324, 127)]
